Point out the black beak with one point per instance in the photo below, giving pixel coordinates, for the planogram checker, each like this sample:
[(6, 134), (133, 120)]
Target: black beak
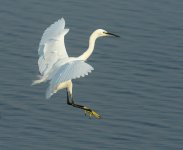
[(112, 34)]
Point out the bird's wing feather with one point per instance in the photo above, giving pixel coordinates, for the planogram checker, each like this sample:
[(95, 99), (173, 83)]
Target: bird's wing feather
[(52, 46), (71, 70)]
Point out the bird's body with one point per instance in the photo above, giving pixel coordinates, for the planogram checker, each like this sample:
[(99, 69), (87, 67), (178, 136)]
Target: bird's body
[(57, 67)]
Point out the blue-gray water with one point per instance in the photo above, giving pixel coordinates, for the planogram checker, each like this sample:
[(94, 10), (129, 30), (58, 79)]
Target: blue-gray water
[(136, 86)]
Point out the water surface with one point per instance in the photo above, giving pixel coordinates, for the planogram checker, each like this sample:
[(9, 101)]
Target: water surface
[(136, 86)]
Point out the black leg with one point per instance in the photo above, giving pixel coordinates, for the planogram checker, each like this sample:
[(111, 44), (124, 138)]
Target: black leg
[(70, 101)]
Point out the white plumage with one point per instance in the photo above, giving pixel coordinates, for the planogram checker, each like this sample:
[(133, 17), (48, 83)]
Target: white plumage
[(52, 46), (68, 71), (58, 68), (54, 63)]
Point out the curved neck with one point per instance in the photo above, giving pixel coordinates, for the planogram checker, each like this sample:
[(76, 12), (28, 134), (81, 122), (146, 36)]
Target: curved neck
[(90, 49)]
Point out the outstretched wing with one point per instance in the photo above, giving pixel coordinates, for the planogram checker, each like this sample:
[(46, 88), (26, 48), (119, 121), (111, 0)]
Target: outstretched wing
[(52, 47), (71, 70)]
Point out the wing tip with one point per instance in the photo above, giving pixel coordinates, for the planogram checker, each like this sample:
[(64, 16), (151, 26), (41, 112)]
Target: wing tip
[(62, 20), (49, 92)]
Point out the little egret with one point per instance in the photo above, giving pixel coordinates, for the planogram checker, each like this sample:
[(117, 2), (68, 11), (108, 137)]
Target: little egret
[(58, 68)]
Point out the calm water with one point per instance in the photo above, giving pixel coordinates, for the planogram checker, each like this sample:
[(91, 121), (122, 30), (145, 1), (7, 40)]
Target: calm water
[(137, 84)]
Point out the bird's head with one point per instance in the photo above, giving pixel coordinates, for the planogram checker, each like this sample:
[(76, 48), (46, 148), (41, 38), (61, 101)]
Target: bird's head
[(102, 32)]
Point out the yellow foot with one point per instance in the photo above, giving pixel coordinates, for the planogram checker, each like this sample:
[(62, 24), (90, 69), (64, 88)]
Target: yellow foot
[(91, 113)]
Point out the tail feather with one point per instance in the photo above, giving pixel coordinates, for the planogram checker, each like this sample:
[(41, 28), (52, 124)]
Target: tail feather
[(40, 80)]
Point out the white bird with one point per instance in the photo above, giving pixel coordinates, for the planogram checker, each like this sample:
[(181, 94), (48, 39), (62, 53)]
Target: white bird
[(58, 68)]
